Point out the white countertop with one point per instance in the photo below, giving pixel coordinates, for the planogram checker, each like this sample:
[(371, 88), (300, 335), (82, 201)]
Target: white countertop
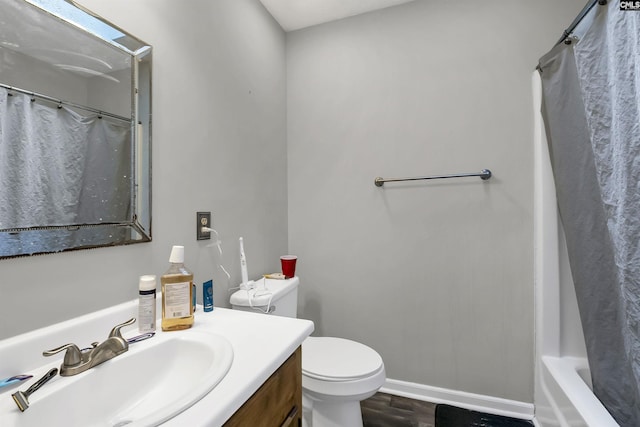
[(261, 343)]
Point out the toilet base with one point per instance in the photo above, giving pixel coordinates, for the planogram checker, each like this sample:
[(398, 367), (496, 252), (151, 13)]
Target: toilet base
[(337, 403), (331, 414)]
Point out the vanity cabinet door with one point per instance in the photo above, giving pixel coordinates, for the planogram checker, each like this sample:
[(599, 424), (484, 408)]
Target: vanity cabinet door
[(278, 402)]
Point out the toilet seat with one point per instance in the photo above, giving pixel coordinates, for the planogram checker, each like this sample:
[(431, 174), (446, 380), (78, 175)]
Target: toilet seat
[(340, 372), (338, 359)]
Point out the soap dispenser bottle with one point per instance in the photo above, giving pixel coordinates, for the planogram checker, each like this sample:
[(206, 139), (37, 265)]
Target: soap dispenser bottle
[(177, 311)]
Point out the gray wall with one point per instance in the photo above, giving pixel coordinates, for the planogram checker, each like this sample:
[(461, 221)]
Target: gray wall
[(107, 95), (436, 276), (219, 144), (26, 72)]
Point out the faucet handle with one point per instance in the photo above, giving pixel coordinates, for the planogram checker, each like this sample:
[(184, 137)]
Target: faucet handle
[(115, 332), (72, 357)]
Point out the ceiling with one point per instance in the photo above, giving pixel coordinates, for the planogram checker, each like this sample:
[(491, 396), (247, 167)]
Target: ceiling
[(296, 14)]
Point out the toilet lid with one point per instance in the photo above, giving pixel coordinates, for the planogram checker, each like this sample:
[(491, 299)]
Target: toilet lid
[(338, 359)]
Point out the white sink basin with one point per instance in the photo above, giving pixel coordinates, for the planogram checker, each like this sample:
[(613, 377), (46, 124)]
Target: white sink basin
[(152, 382)]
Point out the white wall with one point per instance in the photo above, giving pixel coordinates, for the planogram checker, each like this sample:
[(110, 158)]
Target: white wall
[(219, 144), (436, 276)]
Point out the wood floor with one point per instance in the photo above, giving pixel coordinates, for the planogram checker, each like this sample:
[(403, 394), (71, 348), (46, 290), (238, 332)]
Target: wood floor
[(386, 410)]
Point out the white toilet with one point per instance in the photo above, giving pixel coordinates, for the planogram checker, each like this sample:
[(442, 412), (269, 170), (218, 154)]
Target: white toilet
[(336, 373)]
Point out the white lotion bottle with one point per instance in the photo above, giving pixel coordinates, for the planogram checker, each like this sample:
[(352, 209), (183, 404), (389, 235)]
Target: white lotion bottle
[(147, 303)]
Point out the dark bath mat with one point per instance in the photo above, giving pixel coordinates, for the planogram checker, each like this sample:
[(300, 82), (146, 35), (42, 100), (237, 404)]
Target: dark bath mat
[(450, 416)]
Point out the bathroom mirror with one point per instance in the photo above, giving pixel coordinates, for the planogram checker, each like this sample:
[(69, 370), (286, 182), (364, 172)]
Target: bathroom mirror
[(75, 130)]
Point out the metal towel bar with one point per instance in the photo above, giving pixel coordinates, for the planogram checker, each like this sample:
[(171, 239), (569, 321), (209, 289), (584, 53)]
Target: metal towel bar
[(484, 174)]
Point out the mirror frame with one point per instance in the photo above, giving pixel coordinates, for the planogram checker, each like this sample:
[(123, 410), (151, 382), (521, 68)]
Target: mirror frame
[(18, 242)]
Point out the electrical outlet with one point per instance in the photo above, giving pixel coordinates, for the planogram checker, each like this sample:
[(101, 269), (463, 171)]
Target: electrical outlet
[(203, 219)]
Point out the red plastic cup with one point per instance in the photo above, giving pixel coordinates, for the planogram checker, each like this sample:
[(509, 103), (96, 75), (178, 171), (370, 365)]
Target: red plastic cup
[(288, 263)]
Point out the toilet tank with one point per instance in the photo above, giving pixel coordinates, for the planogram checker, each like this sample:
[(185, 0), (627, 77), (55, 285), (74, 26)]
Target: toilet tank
[(283, 294)]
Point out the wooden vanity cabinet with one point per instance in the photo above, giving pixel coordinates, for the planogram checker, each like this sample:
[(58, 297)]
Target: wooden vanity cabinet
[(278, 402)]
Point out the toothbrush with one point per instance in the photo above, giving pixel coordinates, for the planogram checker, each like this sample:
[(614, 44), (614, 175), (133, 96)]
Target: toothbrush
[(131, 340), (14, 379), (243, 267), (139, 338)]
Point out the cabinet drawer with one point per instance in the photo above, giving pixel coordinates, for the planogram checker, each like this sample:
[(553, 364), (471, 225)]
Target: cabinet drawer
[(278, 401)]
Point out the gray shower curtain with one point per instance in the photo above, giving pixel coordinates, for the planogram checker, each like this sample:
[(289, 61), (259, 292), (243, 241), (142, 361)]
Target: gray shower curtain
[(59, 168), (591, 108)]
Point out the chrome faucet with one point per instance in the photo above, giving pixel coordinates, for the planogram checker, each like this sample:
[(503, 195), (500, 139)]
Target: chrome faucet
[(77, 361)]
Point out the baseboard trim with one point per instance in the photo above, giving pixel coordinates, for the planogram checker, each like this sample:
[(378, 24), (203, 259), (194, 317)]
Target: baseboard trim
[(461, 399)]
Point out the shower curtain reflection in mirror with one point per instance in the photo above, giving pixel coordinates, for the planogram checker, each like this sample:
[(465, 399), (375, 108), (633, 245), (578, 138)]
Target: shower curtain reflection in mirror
[(591, 107), (59, 167)]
